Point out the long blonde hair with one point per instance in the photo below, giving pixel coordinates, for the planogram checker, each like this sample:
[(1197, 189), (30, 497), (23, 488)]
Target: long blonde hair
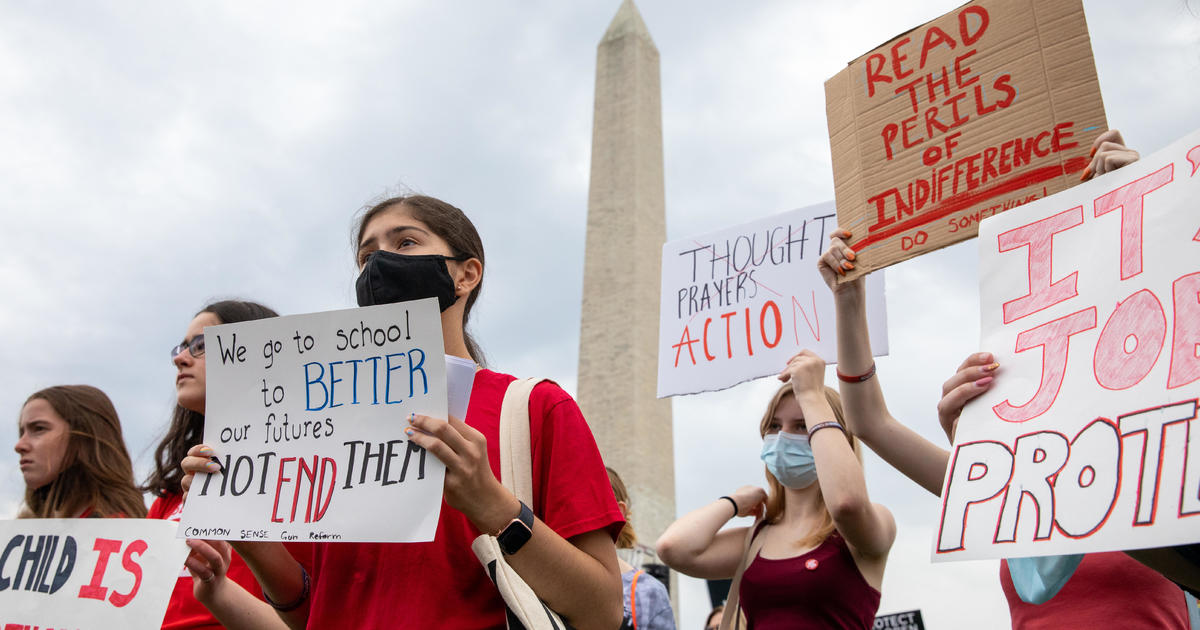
[(626, 539), (775, 490)]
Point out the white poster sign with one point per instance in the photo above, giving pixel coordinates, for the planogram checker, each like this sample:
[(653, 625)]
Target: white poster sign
[(739, 302), (307, 416), (87, 573), (1091, 304)]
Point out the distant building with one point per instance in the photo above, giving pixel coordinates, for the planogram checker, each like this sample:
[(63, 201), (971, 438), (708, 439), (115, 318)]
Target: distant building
[(626, 230)]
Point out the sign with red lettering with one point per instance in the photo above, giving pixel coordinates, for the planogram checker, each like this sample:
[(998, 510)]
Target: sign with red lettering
[(87, 573), (739, 302), (1090, 302), (306, 415), (986, 108)]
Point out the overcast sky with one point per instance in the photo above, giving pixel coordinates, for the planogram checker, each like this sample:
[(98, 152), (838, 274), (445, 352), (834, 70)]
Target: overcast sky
[(156, 156)]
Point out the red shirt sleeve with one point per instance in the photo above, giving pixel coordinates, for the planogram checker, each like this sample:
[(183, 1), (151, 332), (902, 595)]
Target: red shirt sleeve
[(571, 487), (161, 508)]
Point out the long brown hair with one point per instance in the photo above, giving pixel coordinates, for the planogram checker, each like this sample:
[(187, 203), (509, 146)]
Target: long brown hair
[(96, 472), (187, 427), (452, 226), (626, 539), (775, 490)]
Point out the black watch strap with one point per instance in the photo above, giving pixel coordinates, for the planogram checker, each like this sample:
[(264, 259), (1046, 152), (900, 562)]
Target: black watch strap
[(517, 532)]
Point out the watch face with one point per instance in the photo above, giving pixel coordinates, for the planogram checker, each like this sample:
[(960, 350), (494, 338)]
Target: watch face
[(514, 537)]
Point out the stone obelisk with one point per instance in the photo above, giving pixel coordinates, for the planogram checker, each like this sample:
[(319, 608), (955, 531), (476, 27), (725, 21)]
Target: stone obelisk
[(626, 230)]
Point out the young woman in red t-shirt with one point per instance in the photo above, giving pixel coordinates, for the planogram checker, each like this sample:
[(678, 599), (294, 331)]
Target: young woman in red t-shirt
[(816, 559), (73, 457), (417, 247), (196, 585)]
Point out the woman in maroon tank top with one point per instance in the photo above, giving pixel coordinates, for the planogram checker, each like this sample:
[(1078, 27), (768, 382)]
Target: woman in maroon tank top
[(816, 558)]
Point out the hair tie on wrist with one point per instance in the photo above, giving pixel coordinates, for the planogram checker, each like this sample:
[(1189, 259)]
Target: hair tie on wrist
[(299, 600), (831, 424), (733, 503), (857, 379)]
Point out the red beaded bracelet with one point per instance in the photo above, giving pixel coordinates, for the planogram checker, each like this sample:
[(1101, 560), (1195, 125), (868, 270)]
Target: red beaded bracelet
[(857, 379)]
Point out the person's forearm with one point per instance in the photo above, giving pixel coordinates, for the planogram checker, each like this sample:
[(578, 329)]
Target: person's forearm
[(863, 404), (280, 576), (583, 589), (865, 408), (693, 533), (838, 471), (237, 609)]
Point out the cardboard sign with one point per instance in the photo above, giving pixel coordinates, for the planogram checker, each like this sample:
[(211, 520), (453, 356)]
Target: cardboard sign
[(909, 620), (986, 108), (307, 414), (1088, 440), (738, 303), (87, 573)]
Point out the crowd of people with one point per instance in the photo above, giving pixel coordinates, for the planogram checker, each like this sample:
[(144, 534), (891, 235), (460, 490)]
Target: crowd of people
[(814, 557)]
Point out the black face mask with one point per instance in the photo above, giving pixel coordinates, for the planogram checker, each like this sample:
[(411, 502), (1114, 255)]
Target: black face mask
[(388, 278)]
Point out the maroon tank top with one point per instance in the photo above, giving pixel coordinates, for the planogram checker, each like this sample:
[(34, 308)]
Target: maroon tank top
[(819, 589)]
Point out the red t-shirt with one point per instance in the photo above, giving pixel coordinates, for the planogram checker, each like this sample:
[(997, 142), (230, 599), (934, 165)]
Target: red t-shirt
[(183, 611), (441, 584), (1107, 590)]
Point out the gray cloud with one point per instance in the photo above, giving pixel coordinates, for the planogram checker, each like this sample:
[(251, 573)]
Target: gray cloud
[(157, 156)]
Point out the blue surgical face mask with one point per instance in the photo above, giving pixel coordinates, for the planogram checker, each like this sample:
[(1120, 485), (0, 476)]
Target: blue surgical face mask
[(1036, 580), (790, 459)]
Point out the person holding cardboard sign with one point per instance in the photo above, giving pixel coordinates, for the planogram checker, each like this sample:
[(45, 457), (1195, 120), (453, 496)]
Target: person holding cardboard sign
[(1099, 589), (73, 456), (419, 247), (185, 609), (816, 557)]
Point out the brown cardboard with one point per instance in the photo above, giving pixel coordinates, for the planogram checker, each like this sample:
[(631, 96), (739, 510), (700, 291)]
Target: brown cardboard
[(1016, 115)]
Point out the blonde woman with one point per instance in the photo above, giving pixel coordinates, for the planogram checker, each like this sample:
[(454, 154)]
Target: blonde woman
[(816, 557)]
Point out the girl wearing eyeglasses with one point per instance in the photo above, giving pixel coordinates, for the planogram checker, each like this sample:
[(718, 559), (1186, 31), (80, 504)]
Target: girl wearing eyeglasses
[(185, 430), (73, 457), (562, 544)]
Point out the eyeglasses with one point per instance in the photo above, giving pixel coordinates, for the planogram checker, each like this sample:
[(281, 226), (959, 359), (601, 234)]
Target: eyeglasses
[(195, 347)]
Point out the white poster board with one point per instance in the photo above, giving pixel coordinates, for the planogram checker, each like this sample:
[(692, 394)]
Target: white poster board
[(87, 573), (1091, 304), (307, 416), (739, 302)]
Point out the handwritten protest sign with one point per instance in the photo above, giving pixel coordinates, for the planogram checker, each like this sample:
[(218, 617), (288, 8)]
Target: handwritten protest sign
[(87, 573), (1088, 440), (988, 107), (307, 414), (739, 302)]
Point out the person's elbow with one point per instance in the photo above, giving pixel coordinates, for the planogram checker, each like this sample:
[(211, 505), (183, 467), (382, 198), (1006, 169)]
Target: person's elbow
[(670, 552), (870, 427), (850, 508), (609, 612)]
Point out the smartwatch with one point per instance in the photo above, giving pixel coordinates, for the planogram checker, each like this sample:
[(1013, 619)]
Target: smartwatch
[(517, 532)]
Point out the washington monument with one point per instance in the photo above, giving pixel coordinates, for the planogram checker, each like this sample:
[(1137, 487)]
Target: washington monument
[(626, 229)]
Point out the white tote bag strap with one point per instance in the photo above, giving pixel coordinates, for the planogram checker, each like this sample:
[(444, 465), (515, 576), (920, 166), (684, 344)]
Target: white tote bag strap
[(516, 467), (525, 610)]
